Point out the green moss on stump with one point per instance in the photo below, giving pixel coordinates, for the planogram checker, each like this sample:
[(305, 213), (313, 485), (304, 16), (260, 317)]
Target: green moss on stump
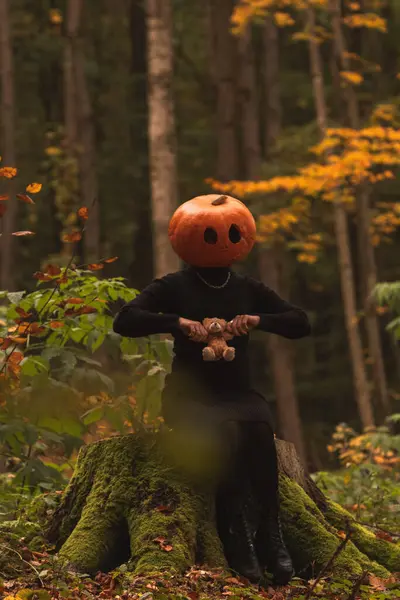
[(128, 502)]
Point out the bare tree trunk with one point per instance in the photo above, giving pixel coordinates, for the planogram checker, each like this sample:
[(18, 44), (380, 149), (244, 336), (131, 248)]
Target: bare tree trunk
[(224, 53), (273, 122), (269, 259), (87, 154), (272, 266), (8, 147), (366, 249), (79, 127), (343, 245), (161, 131)]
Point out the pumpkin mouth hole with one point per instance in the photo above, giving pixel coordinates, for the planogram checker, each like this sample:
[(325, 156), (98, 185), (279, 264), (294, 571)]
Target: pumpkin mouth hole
[(210, 236), (234, 234)]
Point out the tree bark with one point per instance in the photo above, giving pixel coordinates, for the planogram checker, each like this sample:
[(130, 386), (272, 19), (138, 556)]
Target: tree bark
[(278, 349), (224, 57), (7, 281), (134, 500), (162, 141), (87, 153), (273, 122), (366, 249), (272, 263), (361, 387)]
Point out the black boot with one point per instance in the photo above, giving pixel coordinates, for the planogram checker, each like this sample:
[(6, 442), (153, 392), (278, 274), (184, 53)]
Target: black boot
[(271, 550), (240, 550)]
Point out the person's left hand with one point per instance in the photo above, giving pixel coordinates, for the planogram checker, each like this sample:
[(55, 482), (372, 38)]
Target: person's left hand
[(242, 324)]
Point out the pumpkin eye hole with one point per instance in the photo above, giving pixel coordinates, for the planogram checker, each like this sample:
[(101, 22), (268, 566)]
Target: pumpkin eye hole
[(210, 236), (234, 234)]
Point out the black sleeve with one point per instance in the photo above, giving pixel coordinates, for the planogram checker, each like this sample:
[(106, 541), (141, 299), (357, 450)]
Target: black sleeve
[(277, 315), (141, 317)]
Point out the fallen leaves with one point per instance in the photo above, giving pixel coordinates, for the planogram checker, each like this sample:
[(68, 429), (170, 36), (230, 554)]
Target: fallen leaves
[(163, 544)]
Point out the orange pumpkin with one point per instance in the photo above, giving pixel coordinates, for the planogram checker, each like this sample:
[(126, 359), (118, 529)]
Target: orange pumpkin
[(212, 231)]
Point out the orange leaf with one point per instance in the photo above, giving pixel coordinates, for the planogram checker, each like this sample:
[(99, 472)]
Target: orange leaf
[(111, 260), (384, 536), (95, 266), (41, 276), (34, 188), (25, 198), (83, 213), (168, 548), (164, 509), (62, 279), (72, 237), (52, 270), (22, 313), (18, 339), (36, 328), (21, 233), (342, 534), (4, 197), (56, 324), (7, 342), (75, 301), (16, 357), (86, 310)]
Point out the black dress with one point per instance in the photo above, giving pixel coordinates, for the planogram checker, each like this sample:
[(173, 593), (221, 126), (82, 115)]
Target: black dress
[(197, 390)]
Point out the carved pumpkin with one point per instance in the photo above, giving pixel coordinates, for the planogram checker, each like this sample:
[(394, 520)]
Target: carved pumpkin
[(212, 231)]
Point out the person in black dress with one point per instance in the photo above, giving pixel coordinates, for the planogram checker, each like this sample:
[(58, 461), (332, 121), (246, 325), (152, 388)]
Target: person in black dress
[(219, 394)]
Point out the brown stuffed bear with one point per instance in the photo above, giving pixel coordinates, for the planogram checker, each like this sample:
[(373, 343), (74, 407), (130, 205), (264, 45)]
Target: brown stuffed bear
[(216, 343)]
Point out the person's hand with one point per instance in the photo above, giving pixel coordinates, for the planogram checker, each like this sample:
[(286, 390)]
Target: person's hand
[(242, 324), (193, 329)]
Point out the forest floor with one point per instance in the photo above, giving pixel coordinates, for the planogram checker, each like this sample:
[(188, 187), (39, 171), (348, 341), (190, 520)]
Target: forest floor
[(40, 576)]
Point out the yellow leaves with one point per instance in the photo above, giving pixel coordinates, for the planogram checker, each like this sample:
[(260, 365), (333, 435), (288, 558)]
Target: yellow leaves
[(307, 258), (384, 112), (352, 77), (8, 172), (34, 188), (53, 151), (368, 20), (283, 19), (55, 16)]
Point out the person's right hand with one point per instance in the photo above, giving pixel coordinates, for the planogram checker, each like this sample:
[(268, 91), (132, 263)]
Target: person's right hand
[(193, 329)]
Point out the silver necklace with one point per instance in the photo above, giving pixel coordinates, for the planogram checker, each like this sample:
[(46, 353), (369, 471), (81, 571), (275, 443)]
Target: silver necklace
[(216, 287)]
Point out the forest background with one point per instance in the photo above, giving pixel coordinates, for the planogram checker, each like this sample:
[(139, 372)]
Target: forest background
[(131, 116)]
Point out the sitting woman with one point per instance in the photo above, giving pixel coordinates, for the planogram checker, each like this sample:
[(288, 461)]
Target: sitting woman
[(210, 233)]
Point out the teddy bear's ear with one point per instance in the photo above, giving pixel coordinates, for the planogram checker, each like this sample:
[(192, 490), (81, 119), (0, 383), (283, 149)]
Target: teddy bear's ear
[(207, 322)]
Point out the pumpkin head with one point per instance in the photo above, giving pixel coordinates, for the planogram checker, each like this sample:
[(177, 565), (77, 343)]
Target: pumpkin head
[(212, 231)]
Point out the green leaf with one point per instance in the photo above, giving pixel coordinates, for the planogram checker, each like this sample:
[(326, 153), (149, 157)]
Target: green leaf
[(15, 297), (93, 415), (34, 365)]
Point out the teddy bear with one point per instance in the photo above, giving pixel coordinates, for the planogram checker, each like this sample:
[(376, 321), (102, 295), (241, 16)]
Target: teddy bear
[(217, 347)]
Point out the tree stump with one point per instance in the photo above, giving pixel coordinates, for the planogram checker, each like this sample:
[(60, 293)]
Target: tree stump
[(130, 501)]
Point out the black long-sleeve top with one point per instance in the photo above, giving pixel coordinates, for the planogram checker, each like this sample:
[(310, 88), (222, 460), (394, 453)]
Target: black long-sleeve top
[(183, 294)]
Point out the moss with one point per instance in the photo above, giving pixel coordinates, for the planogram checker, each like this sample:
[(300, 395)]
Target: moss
[(312, 541), (128, 502), (386, 553)]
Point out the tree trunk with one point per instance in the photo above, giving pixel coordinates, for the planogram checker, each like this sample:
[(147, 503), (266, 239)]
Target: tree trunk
[(224, 56), (133, 500), (161, 131), (343, 245), (278, 349), (273, 121), (8, 148), (87, 153), (272, 263), (366, 249)]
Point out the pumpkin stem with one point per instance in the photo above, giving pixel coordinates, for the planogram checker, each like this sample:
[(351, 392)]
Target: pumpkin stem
[(219, 200)]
